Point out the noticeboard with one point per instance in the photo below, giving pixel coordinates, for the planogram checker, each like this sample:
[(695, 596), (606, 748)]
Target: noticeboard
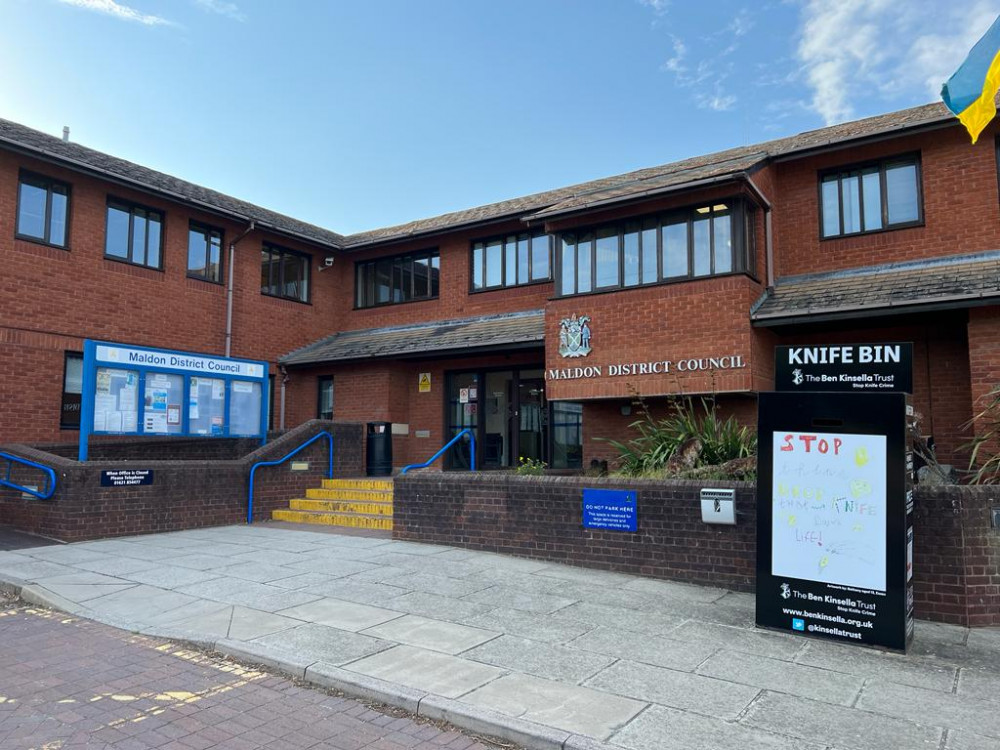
[(834, 517), (135, 390)]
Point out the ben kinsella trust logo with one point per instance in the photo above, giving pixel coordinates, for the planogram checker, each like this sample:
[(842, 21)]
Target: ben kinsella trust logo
[(574, 336), (797, 376)]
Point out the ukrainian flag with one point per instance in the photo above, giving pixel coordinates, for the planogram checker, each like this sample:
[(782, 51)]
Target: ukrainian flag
[(970, 92)]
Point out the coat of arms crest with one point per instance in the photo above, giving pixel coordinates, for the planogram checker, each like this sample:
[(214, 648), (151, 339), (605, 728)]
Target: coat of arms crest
[(574, 336)]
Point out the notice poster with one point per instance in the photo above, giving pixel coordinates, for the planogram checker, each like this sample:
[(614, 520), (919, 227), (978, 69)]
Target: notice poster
[(116, 402), (245, 404), (829, 508), (163, 392), (207, 406)]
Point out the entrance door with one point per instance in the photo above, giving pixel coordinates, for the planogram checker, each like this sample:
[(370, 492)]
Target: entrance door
[(531, 416)]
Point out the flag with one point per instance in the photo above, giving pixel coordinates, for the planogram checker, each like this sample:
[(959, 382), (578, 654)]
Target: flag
[(970, 92)]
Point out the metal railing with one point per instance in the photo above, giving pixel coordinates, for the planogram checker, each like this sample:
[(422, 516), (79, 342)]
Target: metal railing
[(446, 446), (50, 476), (306, 444)]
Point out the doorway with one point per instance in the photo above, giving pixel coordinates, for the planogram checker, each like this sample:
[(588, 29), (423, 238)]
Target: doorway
[(507, 411)]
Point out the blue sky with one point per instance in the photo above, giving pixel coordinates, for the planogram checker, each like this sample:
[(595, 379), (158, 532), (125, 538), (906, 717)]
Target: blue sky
[(354, 115)]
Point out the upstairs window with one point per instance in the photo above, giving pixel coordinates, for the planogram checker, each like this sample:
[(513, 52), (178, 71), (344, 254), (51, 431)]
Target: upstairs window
[(134, 234), (871, 198), (284, 273), (402, 278), (512, 260), (42, 209), (710, 240), (204, 252)]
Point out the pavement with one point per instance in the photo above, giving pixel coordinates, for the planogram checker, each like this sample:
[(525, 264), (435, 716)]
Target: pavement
[(68, 684), (542, 654)]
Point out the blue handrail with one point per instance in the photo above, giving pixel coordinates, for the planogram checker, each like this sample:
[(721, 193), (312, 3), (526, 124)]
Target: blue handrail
[(50, 477), (306, 444), (436, 456)]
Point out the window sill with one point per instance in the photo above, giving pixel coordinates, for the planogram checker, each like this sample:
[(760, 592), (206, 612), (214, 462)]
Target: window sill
[(42, 243), (285, 299), (508, 288), (125, 262), (195, 277), (397, 304), (895, 227), (670, 282)]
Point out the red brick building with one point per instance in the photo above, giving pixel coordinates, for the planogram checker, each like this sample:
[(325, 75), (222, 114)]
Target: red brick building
[(535, 320)]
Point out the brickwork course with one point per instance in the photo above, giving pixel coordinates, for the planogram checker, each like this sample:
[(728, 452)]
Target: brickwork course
[(67, 683)]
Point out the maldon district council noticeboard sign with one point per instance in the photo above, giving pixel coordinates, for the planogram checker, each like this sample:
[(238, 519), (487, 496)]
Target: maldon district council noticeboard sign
[(135, 390), (834, 517)]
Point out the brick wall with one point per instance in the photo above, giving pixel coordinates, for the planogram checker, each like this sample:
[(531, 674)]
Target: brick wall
[(956, 553), (185, 493)]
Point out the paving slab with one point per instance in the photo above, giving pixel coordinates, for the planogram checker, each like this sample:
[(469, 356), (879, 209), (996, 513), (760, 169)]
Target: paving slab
[(138, 602), (33, 570), (980, 683), (199, 608), (328, 563), (969, 741), (932, 707), (671, 590), (312, 643), (356, 591), (441, 607), (661, 727), (650, 623), (668, 687), (199, 561), (170, 576), (539, 628), (258, 572), (645, 649), (338, 613), (568, 707), (137, 551), (80, 593), (432, 583), (870, 663), (435, 635), (442, 674), (116, 567), (507, 597), (66, 554), (298, 581), (540, 659), (795, 679), (248, 594), (844, 728), (773, 645)]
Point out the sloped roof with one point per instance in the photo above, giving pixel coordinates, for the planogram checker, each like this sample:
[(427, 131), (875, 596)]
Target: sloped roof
[(77, 156), (675, 175), (424, 338), (957, 281)]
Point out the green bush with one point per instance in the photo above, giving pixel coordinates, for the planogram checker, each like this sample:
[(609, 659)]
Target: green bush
[(648, 453), (530, 467), (983, 468)]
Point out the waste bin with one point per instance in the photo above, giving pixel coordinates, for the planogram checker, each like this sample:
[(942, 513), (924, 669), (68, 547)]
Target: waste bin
[(378, 456)]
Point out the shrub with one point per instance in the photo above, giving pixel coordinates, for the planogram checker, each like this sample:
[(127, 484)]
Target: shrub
[(530, 466), (690, 422)]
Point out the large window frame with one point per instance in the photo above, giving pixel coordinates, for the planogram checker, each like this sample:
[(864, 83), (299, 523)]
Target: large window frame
[(636, 252), (149, 216), (277, 284), (51, 187), (324, 387), (214, 244), (516, 260), (395, 279), (861, 173)]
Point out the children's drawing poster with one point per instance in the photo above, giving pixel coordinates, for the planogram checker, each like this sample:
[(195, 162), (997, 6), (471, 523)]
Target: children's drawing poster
[(829, 508)]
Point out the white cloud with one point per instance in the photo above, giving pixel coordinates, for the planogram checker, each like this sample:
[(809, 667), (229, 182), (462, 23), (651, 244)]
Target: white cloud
[(117, 10), (856, 48), (659, 6), (223, 8), (719, 102)]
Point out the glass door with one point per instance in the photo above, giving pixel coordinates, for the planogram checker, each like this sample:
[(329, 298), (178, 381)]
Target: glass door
[(531, 416), (463, 412)]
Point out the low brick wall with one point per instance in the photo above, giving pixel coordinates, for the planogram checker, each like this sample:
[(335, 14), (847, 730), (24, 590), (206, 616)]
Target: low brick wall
[(185, 494), (956, 552)]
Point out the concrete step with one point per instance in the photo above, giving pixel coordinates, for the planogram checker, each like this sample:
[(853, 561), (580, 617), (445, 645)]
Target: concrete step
[(343, 506), (377, 496), (349, 520), (359, 483)]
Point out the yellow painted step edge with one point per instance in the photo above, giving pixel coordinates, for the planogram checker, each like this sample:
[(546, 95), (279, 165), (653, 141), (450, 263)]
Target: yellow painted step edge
[(341, 506), (346, 494), (358, 484), (333, 519)]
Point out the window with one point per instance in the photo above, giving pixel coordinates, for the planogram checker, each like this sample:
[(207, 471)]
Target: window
[(324, 408), (42, 209), (69, 413), (204, 252), (871, 198), (403, 278), (512, 260), (134, 234), (284, 273), (703, 241)]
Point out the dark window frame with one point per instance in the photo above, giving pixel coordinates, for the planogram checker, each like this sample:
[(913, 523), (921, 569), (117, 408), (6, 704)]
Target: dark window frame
[(857, 170), (130, 207), (502, 239), (740, 209), (67, 356), (320, 382), (47, 183), (366, 272), (207, 229), (282, 252)]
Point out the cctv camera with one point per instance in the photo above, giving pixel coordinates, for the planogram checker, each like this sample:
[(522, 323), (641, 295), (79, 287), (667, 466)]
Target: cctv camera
[(328, 261)]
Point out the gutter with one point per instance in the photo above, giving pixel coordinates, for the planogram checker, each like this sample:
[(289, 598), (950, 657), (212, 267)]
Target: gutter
[(229, 286)]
